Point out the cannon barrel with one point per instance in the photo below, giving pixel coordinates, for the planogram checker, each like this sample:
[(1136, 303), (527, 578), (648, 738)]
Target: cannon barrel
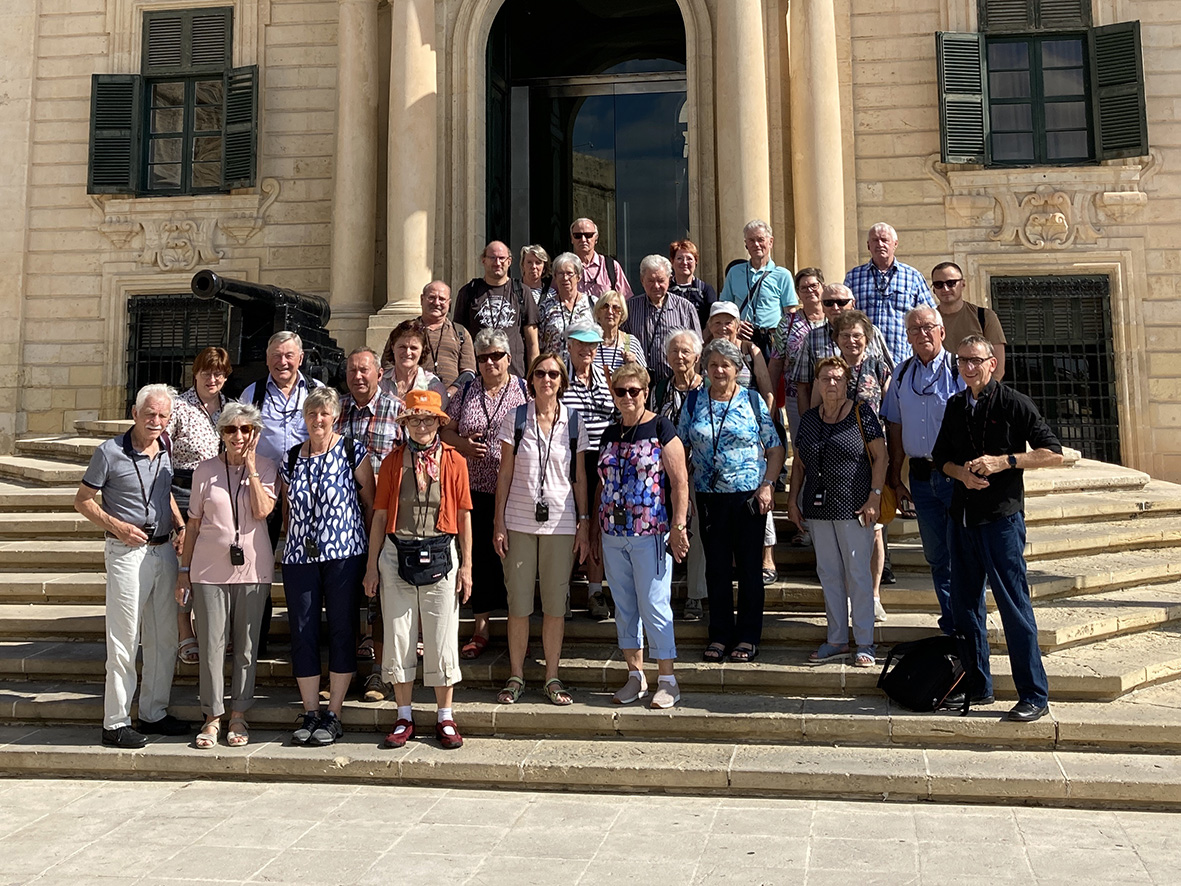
[(243, 294)]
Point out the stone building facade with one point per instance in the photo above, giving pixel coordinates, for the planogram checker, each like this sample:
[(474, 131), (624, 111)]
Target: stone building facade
[(387, 142)]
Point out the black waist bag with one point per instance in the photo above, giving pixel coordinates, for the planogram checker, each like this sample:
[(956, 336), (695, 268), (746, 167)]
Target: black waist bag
[(924, 673), (423, 561)]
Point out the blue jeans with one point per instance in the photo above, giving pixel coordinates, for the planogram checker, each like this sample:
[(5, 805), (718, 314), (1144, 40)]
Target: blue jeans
[(932, 503), (996, 551), (639, 573)]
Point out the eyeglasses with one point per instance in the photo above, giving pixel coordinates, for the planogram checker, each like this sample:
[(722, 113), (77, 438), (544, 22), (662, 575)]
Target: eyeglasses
[(493, 357), (584, 235), (215, 373), (851, 336), (972, 362), (946, 284), (611, 309), (811, 287), (231, 430), (422, 422), (928, 329), (552, 374), (499, 258), (836, 302), (565, 274), (633, 393)]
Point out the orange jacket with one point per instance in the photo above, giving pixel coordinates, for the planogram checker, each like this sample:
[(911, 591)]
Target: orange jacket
[(454, 489)]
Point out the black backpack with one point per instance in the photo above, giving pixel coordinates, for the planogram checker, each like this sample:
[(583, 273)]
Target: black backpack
[(926, 672)]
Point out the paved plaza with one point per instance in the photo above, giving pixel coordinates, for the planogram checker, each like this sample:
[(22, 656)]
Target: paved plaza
[(78, 832)]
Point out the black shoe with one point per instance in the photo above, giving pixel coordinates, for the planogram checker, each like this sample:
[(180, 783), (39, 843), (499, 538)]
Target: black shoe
[(955, 702), (1027, 712), (123, 737), (888, 575), (328, 731), (309, 722), (166, 725)]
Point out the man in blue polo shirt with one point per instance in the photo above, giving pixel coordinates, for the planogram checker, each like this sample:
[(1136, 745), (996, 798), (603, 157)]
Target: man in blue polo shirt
[(913, 409), (139, 515), (761, 289), (886, 289)]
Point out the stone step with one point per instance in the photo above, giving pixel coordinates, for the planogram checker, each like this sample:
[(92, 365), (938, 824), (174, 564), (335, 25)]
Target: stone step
[(41, 471), (1084, 475), (1059, 777), (1104, 669), (22, 498), (61, 448), (51, 555), (101, 429), (50, 525)]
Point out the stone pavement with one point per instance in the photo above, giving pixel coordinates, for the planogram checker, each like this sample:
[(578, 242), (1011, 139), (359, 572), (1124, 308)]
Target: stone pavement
[(72, 832)]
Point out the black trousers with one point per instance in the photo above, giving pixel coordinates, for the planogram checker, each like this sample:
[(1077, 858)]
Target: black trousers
[(488, 591), (732, 538)]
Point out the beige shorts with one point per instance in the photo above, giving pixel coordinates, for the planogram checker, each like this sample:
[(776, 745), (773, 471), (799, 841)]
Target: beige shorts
[(538, 559)]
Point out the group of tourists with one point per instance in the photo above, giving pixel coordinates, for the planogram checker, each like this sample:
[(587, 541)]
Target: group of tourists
[(558, 422)]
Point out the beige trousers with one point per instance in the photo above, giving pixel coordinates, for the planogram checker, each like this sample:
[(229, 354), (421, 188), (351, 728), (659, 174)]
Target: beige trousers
[(403, 605)]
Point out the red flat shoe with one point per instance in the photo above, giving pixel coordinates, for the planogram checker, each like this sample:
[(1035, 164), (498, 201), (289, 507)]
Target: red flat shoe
[(449, 742), (398, 739), (474, 647)]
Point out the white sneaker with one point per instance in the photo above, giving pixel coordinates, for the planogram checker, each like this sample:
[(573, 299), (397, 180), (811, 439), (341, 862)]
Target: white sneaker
[(879, 614)]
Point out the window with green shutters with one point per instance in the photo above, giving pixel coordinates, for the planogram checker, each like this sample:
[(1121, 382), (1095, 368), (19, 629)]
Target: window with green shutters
[(1038, 86), (186, 124)]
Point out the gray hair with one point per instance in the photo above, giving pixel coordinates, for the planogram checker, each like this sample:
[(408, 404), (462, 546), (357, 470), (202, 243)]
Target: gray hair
[(882, 226), (569, 260), (435, 283), (923, 309), (537, 251), (154, 392), (756, 224), (365, 349), (235, 413), (490, 338), (837, 290), (582, 325), (694, 341), (724, 348), (282, 337), (583, 221), (655, 262), (320, 397)]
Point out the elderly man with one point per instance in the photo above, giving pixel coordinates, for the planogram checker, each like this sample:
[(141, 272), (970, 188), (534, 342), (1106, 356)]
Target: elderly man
[(495, 301), (139, 515), (449, 352), (913, 409), (886, 289), (656, 313), (279, 397), (761, 289), (962, 318), (982, 447), (599, 273)]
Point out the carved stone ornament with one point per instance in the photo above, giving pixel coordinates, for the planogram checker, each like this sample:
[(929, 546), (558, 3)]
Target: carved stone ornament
[(1044, 209), (180, 233)]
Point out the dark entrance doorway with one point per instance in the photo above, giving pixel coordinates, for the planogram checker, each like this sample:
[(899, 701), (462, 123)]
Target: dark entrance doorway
[(1060, 353), (587, 117)]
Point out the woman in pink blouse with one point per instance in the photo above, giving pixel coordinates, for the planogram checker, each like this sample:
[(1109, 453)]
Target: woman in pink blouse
[(227, 566)]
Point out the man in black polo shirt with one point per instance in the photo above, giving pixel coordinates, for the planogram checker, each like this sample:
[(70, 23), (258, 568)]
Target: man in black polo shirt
[(982, 447)]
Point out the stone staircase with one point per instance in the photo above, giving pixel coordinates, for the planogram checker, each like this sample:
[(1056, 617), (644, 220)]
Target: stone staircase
[(1106, 580)]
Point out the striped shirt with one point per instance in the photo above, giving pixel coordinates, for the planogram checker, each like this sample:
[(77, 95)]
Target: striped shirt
[(541, 472), (610, 357), (821, 342), (594, 403), (652, 324), (374, 424), (885, 297)]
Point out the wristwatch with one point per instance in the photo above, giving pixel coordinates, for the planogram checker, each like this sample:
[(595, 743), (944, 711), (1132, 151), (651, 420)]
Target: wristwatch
[(876, 490), (680, 527), (1012, 460), (582, 517)]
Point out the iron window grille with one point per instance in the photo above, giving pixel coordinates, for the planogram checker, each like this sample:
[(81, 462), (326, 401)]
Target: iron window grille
[(165, 333)]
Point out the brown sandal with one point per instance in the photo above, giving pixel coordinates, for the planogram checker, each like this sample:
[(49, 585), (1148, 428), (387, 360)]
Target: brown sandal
[(473, 648)]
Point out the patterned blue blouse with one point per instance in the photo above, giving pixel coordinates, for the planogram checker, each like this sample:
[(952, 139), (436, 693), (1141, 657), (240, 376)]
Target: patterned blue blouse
[(726, 441), (631, 467), (323, 504)]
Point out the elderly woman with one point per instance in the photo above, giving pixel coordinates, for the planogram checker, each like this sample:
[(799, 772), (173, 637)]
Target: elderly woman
[(736, 456), (682, 352), (641, 519), (422, 510), (723, 324), (477, 413), (402, 359), (193, 432), (565, 305), (684, 257), (787, 344), (328, 485), (618, 347), (227, 566), (535, 272), (542, 524), (836, 487), (589, 392)]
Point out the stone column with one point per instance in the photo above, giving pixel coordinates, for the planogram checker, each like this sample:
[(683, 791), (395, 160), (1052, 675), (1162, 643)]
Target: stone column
[(412, 161), (744, 157), (817, 154), (354, 204)]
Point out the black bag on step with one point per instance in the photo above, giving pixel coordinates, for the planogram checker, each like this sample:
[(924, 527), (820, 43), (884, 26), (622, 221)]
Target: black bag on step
[(924, 674)]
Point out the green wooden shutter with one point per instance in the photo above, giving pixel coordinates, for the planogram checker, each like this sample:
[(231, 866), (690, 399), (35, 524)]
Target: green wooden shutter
[(240, 141), (187, 41), (996, 16), (1054, 14), (115, 133), (1117, 91), (963, 97)]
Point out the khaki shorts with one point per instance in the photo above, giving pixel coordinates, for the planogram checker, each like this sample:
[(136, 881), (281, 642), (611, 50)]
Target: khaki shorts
[(533, 559)]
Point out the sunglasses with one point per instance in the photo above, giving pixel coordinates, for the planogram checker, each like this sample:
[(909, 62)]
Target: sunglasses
[(231, 430), (422, 422), (947, 284), (552, 374), (836, 302), (584, 235), (633, 393), (493, 357)]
